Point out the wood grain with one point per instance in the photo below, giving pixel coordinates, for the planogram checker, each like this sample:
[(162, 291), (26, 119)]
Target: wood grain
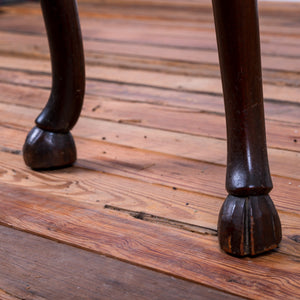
[(171, 251), (6, 296), (112, 178), (114, 105), (98, 90), (42, 269), (170, 81), (149, 181), (167, 142)]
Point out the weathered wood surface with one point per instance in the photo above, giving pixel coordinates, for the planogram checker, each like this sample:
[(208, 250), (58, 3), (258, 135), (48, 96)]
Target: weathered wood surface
[(151, 140), (43, 269), (172, 251), (6, 296), (159, 113), (170, 167)]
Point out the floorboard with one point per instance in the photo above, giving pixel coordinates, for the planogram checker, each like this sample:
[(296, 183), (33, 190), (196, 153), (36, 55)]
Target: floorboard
[(136, 216), (37, 268), (173, 251)]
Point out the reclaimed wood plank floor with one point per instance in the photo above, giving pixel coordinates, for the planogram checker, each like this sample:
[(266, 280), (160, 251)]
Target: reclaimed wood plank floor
[(136, 216)]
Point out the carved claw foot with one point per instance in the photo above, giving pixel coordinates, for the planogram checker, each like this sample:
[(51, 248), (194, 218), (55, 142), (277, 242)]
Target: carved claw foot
[(248, 225), (44, 149)]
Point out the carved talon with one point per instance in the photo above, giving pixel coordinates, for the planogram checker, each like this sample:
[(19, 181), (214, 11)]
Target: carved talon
[(248, 225), (45, 149)]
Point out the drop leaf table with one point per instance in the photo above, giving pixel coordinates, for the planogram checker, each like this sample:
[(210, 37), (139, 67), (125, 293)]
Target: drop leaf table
[(248, 221)]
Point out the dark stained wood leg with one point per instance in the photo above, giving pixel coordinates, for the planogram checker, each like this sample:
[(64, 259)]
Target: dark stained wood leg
[(248, 221), (50, 144)]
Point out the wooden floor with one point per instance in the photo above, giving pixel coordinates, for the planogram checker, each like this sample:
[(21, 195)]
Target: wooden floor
[(135, 217)]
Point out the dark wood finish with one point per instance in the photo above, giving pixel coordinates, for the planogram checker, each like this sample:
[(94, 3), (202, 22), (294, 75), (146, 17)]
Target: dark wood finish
[(242, 230), (149, 68), (248, 221), (50, 144)]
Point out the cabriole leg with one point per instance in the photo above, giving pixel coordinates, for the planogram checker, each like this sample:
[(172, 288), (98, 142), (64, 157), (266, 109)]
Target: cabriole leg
[(248, 221), (50, 144)]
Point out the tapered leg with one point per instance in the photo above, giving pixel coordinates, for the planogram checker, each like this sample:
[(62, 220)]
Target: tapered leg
[(248, 221), (50, 143)]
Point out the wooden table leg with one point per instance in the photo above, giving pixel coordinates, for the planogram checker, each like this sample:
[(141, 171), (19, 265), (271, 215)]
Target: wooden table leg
[(248, 221), (50, 144)]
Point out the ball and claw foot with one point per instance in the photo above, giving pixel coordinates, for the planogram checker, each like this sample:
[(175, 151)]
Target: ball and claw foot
[(248, 225), (48, 150)]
